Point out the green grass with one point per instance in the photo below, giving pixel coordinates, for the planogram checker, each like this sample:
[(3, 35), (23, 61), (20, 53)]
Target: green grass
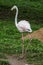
[(35, 58), (30, 9), (4, 62), (3, 59), (20, 2), (36, 25), (10, 37), (2, 56), (35, 53), (10, 42)]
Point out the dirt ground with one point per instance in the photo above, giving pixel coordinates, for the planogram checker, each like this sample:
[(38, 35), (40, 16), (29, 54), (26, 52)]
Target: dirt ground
[(13, 60), (38, 34)]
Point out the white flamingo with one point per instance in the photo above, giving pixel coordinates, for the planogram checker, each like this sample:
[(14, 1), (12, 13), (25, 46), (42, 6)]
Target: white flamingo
[(22, 26)]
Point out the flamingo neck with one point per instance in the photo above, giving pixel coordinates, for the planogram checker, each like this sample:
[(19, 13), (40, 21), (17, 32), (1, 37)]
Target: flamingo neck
[(16, 16)]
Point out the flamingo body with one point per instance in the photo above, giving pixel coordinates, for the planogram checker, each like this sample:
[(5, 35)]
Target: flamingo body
[(24, 26)]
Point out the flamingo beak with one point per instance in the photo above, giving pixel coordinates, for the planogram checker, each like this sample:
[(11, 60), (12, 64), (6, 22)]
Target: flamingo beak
[(31, 30)]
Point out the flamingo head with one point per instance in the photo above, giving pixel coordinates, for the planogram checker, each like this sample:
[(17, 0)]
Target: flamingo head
[(14, 7)]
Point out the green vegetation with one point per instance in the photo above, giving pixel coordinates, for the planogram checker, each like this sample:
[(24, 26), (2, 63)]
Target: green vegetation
[(10, 42), (30, 9), (3, 59), (21, 2), (2, 56), (35, 58), (35, 53), (10, 37), (4, 62)]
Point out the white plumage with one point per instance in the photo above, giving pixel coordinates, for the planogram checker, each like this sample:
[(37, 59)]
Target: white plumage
[(24, 26)]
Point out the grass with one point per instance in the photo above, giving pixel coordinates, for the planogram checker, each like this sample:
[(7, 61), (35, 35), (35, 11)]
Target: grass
[(21, 2), (4, 62), (10, 42), (10, 38), (35, 58), (35, 53), (35, 25), (3, 59), (2, 56), (30, 9)]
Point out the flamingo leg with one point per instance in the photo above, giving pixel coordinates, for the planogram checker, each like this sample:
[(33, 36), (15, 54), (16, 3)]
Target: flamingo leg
[(22, 55), (22, 45)]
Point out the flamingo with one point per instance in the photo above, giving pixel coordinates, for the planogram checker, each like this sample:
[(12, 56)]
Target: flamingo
[(22, 26)]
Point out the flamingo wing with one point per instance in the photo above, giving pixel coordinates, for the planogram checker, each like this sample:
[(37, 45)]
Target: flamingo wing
[(24, 26)]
